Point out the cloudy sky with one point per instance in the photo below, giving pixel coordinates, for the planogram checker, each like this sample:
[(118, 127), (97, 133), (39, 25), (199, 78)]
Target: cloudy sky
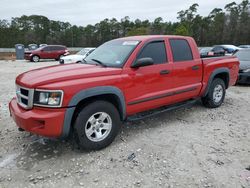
[(85, 12)]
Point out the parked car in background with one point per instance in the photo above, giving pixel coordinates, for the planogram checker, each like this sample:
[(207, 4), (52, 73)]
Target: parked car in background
[(78, 57), (204, 51), (244, 46), (46, 52), (224, 50), (41, 45), (119, 80), (244, 72), (32, 47)]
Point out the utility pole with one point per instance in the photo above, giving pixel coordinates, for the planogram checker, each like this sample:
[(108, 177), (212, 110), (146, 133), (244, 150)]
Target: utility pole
[(72, 37)]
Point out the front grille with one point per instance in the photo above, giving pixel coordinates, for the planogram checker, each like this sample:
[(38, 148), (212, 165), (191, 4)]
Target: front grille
[(24, 97), (24, 91)]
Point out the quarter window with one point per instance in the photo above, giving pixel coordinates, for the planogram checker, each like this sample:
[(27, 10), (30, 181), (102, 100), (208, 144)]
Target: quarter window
[(181, 50), (156, 51)]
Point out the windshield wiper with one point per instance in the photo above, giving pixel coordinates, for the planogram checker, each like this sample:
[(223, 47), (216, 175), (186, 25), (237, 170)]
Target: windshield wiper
[(99, 62), (84, 61)]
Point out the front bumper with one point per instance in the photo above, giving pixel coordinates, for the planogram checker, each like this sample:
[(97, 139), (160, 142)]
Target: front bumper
[(41, 121), (27, 57), (244, 78)]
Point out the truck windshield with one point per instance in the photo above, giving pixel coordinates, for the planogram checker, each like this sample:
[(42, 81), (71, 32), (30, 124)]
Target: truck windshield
[(113, 53)]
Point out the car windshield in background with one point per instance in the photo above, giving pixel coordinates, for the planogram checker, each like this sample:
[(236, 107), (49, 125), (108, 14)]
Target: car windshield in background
[(113, 53), (243, 55), (205, 50), (83, 52)]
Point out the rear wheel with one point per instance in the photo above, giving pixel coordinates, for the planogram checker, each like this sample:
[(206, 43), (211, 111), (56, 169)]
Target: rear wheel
[(216, 94), (97, 125), (35, 58)]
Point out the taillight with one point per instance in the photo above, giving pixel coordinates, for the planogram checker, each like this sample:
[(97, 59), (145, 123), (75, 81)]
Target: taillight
[(66, 52)]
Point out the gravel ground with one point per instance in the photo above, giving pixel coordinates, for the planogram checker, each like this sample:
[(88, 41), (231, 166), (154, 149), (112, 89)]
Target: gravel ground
[(189, 147)]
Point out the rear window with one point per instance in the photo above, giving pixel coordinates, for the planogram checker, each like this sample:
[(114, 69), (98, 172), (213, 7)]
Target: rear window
[(156, 51), (181, 50)]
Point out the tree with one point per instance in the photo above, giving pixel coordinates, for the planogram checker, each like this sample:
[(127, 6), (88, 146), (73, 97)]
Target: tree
[(228, 25), (181, 30), (157, 26)]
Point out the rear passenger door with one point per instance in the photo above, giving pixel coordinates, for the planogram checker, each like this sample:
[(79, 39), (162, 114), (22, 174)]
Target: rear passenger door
[(187, 70), (59, 50), (47, 52), (55, 52)]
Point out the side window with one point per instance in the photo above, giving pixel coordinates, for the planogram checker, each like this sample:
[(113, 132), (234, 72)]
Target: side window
[(47, 49), (155, 50), (54, 48), (181, 50), (59, 48)]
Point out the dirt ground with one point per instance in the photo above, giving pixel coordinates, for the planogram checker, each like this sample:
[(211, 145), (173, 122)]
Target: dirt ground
[(189, 147), (7, 56)]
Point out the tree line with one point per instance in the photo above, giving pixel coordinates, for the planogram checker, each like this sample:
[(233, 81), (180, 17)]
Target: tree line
[(230, 25)]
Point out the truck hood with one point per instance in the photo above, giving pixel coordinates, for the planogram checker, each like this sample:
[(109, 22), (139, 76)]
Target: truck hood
[(57, 73)]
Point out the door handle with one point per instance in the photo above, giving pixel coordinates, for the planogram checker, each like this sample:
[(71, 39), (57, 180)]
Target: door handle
[(196, 67), (164, 72)]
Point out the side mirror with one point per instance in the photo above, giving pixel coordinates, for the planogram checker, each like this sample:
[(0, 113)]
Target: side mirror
[(142, 62)]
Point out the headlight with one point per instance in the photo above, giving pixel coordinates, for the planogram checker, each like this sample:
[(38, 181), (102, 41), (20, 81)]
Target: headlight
[(246, 70), (48, 98)]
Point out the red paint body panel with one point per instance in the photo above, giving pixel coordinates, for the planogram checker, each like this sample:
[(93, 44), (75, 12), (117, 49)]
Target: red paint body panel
[(45, 122), (143, 88)]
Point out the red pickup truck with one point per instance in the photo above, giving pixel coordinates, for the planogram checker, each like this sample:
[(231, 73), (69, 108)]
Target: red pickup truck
[(121, 78)]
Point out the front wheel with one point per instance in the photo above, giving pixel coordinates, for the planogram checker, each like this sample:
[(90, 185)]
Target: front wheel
[(35, 58), (97, 125), (216, 94)]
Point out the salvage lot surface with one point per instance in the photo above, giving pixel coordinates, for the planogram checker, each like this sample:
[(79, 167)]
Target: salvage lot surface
[(189, 147)]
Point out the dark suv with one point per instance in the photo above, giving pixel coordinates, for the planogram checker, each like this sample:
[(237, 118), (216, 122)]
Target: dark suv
[(46, 52)]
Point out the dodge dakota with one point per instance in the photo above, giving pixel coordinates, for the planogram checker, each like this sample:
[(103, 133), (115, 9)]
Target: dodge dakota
[(120, 79)]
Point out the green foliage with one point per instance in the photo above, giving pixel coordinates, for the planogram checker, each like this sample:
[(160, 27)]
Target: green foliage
[(181, 30), (228, 25), (138, 31)]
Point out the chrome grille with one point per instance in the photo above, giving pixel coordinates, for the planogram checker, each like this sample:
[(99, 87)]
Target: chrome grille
[(24, 97)]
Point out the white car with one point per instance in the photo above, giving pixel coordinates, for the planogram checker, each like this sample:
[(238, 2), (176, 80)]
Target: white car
[(78, 57)]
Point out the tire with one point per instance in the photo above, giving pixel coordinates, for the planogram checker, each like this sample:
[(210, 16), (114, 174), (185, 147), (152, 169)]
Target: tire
[(61, 61), (35, 58), (59, 57), (89, 134), (216, 94)]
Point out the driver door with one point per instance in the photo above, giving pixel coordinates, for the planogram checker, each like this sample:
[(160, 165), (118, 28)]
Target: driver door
[(150, 86)]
